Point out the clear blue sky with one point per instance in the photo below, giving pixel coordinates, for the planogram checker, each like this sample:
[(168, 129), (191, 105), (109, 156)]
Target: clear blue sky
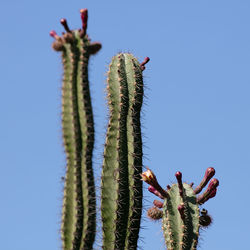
[(196, 115)]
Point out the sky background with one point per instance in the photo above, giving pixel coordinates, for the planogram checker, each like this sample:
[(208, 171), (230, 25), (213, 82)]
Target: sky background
[(196, 114)]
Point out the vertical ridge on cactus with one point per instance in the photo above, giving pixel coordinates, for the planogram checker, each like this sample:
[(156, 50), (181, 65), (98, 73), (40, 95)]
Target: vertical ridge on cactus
[(115, 193), (121, 202), (79, 202), (135, 93)]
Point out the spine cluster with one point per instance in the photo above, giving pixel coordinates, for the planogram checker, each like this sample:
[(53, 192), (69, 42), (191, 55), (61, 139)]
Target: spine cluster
[(121, 197)]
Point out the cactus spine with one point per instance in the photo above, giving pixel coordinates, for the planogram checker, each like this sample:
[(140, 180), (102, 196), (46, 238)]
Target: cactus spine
[(79, 202), (181, 219), (121, 197)]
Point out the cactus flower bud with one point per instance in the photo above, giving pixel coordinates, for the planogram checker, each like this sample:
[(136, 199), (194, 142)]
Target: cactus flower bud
[(210, 191), (149, 177), (158, 204), (155, 192), (178, 176), (84, 17), (214, 183), (64, 23), (181, 209), (210, 172)]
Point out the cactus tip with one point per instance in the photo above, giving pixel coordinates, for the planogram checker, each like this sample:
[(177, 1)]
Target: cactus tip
[(210, 172), (149, 177), (178, 176), (53, 34), (210, 192), (84, 17), (142, 65), (155, 192), (213, 184), (64, 23)]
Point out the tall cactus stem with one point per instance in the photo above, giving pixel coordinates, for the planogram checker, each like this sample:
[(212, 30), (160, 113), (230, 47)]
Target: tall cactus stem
[(79, 202), (122, 164), (115, 193), (135, 91)]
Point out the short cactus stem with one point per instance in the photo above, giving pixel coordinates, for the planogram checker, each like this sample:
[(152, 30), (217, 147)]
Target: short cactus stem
[(210, 172), (54, 34), (181, 218)]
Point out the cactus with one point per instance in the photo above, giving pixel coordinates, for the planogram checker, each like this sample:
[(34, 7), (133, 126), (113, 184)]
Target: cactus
[(181, 217), (121, 187), (121, 183), (79, 202)]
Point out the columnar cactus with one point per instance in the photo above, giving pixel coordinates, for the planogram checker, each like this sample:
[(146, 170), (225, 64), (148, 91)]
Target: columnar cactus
[(79, 202), (121, 184), (121, 187), (181, 217)]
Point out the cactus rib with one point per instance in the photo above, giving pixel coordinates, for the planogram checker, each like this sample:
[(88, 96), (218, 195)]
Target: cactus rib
[(135, 89), (114, 203)]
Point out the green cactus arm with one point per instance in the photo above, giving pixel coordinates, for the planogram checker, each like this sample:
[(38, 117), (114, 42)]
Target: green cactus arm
[(79, 203), (135, 89), (121, 183), (114, 184)]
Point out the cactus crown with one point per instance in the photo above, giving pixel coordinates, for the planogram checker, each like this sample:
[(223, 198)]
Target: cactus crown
[(180, 213)]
